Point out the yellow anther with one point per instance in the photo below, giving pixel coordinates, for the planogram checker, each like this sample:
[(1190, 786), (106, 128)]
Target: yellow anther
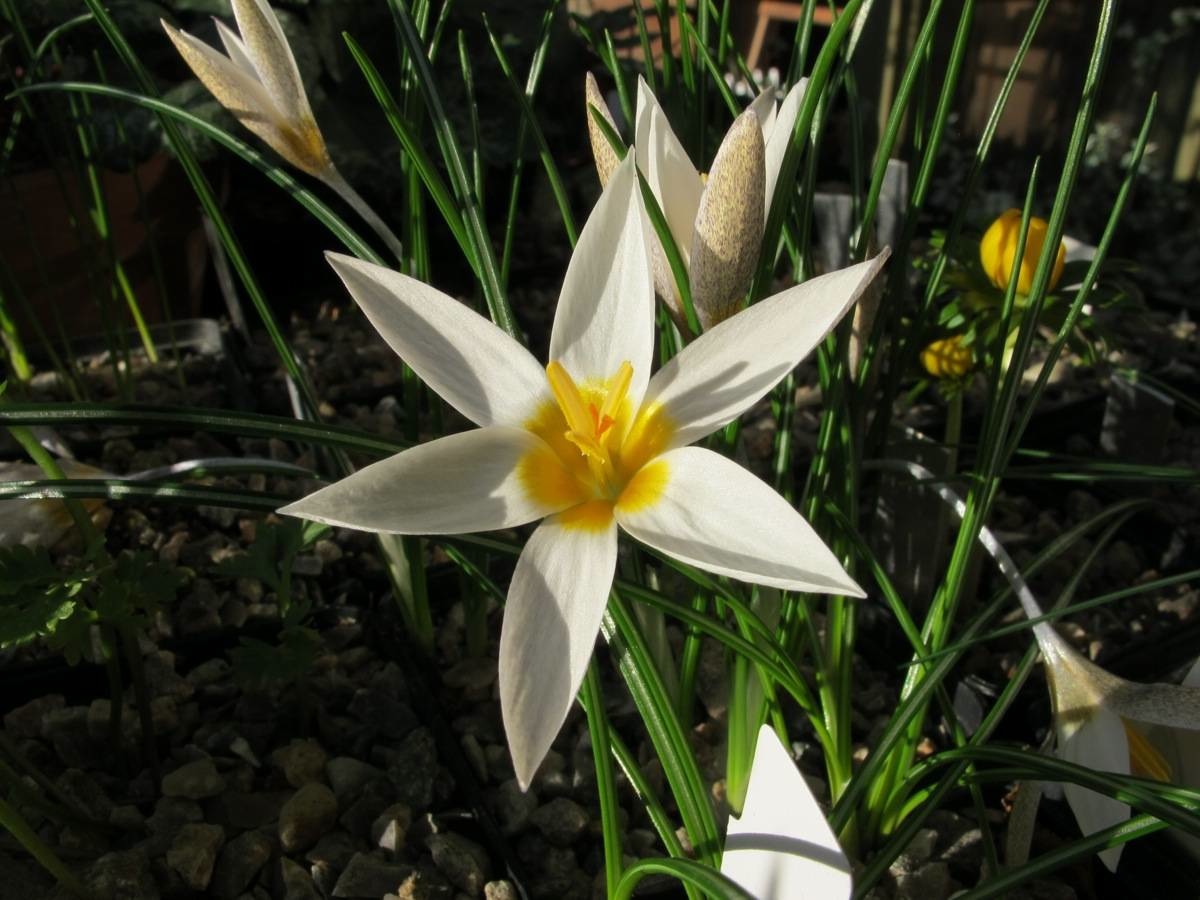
[(570, 401), (616, 395)]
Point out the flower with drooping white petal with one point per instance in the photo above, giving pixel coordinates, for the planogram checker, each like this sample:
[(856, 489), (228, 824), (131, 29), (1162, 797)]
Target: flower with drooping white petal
[(588, 442), (782, 846), (1112, 725), (259, 83), (716, 221)]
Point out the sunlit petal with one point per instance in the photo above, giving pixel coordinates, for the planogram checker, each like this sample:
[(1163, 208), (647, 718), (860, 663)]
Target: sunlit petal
[(465, 482), (710, 512), (268, 49), (468, 361), (1099, 743), (782, 845), (557, 598), (726, 370), (781, 136), (234, 89), (764, 107), (729, 224), (236, 48), (606, 310)]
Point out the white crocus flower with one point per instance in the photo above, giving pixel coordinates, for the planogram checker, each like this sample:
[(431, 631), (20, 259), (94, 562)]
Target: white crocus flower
[(1100, 721), (716, 220), (259, 82), (588, 442), (782, 845), (1112, 725)]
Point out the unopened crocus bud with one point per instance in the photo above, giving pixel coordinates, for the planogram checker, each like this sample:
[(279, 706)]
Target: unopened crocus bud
[(999, 247), (948, 358)]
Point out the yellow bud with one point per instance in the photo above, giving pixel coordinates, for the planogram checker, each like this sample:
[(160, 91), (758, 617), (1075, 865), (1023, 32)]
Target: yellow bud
[(999, 246), (948, 358)]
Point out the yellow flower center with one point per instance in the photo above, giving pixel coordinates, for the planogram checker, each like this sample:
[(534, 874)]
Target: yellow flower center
[(600, 452)]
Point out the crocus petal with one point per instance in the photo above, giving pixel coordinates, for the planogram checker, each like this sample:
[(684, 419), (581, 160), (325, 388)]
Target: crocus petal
[(782, 845), (602, 151), (675, 183), (234, 89), (473, 481), (707, 511), (726, 370), (268, 49), (729, 223), (1170, 705), (236, 49), (468, 361), (557, 598), (672, 177), (605, 312), (764, 107), (1098, 743), (781, 136)]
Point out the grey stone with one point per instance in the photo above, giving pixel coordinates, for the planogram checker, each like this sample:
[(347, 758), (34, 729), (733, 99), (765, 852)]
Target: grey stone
[(67, 730), (562, 821), (126, 875), (296, 881), (383, 712), (195, 781), (243, 810), (170, 814), (424, 885), (240, 860), (918, 851), (309, 813), (300, 762), (414, 768), (87, 794), (26, 720), (363, 812), (194, 854), (333, 851), (512, 806), (208, 672), (930, 880), (462, 861), (471, 675), (348, 777), (499, 890), (390, 828), (368, 876)]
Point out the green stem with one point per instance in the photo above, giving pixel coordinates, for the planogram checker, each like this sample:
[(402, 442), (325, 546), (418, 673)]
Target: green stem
[(15, 825)]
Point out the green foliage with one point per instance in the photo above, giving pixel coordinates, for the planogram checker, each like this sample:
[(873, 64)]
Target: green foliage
[(270, 560), (34, 596)]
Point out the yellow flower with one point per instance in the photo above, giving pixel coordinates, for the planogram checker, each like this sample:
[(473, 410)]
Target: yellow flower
[(999, 247), (948, 358)]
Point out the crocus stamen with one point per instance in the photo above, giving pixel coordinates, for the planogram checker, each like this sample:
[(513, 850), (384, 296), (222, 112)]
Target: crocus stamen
[(589, 426)]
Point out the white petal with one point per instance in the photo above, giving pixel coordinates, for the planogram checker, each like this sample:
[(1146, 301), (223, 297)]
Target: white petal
[(605, 312), (1100, 744), (557, 598), (1170, 705), (764, 107), (673, 179), (781, 136), (710, 512), (473, 481), (236, 48), (782, 845), (234, 89), (272, 57), (468, 361), (726, 370)]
